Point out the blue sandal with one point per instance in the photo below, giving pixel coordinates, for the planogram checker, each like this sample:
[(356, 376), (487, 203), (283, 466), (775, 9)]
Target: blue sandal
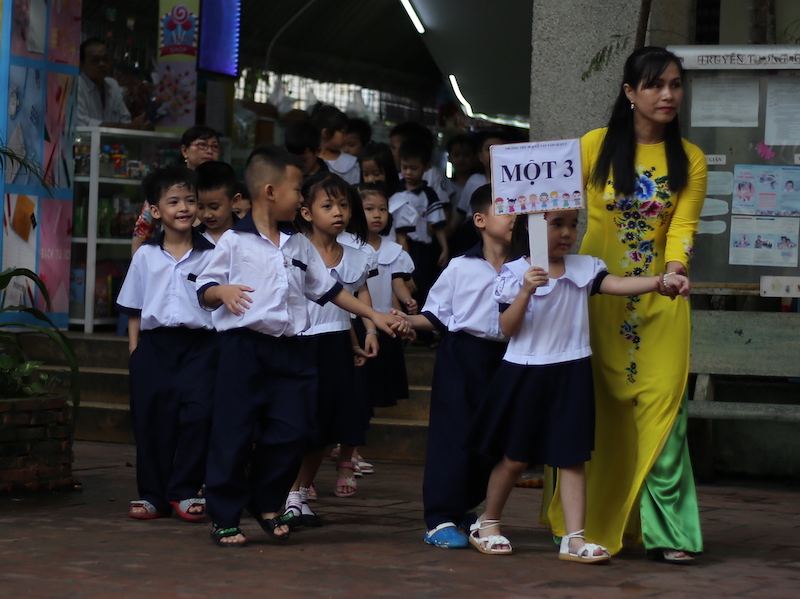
[(446, 535)]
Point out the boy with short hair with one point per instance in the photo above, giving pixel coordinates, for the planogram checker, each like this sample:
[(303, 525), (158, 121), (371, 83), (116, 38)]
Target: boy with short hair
[(417, 210), (257, 284), (173, 353), (302, 140), (460, 305), (216, 199), (357, 134)]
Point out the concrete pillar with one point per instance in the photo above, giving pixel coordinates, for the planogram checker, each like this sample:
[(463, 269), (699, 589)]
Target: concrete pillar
[(566, 35)]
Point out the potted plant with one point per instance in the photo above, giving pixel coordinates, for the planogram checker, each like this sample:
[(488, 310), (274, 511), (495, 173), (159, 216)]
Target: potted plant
[(36, 428)]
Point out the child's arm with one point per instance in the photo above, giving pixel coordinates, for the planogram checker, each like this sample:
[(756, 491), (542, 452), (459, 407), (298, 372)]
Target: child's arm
[(134, 324), (371, 338), (511, 318), (359, 356), (234, 297), (385, 322), (441, 237), (669, 283), (402, 293), (402, 238)]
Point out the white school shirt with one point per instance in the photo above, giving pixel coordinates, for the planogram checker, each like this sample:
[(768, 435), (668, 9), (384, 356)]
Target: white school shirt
[(347, 167), (555, 328), (473, 183), (461, 298), (353, 270), (282, 278), (90, 110), (393, 263), (414, 210), (161, 290)]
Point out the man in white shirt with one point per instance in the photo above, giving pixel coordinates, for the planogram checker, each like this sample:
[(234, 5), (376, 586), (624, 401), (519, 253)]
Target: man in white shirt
[(100, 101)]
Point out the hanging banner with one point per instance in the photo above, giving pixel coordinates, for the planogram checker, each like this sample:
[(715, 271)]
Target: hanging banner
[(175, 77)]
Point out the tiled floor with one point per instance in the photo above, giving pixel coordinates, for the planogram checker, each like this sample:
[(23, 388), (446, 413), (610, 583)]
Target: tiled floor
[(83, 545)]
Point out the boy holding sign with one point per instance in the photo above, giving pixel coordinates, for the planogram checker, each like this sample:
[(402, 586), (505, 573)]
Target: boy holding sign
[(542, 405)]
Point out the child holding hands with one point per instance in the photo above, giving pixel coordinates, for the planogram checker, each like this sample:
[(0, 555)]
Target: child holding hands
[(263, 272), (542, 405)]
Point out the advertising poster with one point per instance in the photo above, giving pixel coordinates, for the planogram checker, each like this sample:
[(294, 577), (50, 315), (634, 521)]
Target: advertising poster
[(58, 126), (65, 37), (55, 245), (29, 28), (764, 241), (766, 190), (175, 76), (20, 224), (535, 177), (25, 119)]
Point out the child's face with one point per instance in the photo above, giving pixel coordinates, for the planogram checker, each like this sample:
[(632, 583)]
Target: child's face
[(376, 209), (286, 196), (497, 227), (328, 214), (412, 169), (461, 157), (214, 209), (335, 142), (372, 172), (562, 232), (309, 160), (352, 144), (395, 141), (177, 208), (484, 156), (240, 206)]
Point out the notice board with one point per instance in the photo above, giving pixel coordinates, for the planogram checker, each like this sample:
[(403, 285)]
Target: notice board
[(742, 108)]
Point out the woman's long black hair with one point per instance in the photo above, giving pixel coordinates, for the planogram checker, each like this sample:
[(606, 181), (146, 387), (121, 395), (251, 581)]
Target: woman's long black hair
[(618, 152)]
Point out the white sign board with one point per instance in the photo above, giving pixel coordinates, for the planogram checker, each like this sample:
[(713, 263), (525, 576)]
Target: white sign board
[(537, 176)]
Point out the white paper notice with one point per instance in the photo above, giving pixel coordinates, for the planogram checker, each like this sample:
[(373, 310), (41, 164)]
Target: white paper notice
[(782, 127), (725, 102), (763, 241), (720, 183)]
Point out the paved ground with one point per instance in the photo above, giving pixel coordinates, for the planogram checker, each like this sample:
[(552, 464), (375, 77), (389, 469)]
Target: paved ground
[(82, 545)]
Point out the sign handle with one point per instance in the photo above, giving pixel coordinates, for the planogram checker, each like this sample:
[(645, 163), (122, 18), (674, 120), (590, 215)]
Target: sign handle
[(537, 239)]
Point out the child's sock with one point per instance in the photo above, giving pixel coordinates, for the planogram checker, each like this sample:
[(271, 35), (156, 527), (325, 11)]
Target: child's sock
[(304, 507), (293, 504)]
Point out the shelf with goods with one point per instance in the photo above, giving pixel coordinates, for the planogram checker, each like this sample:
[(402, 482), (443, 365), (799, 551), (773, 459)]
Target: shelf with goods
[(107, 203)]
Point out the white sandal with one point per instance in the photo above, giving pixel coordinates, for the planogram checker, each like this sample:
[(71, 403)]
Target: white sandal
[(488, 544), (671, 556), (585, 554)]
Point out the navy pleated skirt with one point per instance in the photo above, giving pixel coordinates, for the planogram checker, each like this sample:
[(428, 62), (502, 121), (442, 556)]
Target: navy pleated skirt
[(538, 414)]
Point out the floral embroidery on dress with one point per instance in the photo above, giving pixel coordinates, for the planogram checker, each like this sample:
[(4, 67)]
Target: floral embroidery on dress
[(637, 217)]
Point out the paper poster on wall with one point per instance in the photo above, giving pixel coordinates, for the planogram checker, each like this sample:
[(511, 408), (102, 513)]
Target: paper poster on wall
[(20, 223), (537, 176), (25, 114), (54, 252), (58, 129), (175, 76), (725, 102), (65, 37), (766, 190), (763, 241), (720, 183), (29, 28), (782, 127)]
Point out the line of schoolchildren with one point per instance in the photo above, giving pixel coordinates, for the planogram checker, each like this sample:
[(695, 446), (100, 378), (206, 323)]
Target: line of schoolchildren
[(271, 297)]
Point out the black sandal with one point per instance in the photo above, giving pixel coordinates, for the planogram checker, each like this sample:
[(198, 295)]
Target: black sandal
[(219, 533), (268, 525)]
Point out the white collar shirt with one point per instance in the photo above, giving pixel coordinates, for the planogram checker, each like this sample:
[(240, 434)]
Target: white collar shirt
[(555, 328), (356, 266), (282, 277), (461, 298), (392, 262), (161, 290), (91, 110)]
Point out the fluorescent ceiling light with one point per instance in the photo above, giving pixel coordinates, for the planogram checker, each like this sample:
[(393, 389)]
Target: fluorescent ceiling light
[(467, 107), (457, 91), (413, 16)]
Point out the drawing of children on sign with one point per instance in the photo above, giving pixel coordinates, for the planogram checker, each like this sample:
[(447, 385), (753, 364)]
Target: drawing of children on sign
[(532, 199), (565, 200), (523, 203), (498, 206)]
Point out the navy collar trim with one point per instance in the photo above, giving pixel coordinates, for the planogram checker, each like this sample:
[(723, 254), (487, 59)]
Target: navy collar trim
[(476, 251), (246, 224), (203, 228), (199, 243)]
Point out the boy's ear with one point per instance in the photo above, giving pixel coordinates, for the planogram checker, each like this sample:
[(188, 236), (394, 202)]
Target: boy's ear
[(269, 191), (235, 199), (305, 213), (479, 220), (155, 212)]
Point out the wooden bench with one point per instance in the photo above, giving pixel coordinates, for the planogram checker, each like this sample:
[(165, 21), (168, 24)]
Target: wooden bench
[(740, 344)]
